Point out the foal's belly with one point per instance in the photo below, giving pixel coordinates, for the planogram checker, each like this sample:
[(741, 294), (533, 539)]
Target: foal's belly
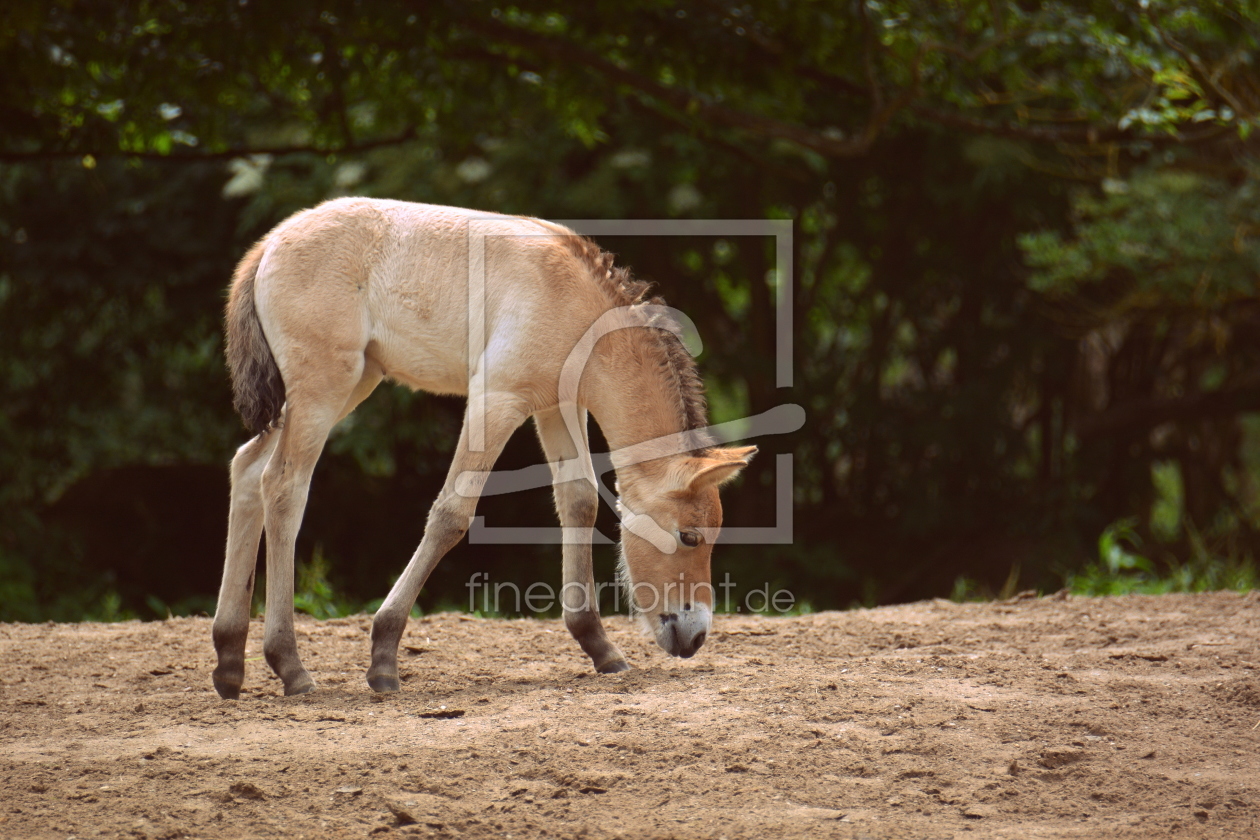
[(421, 366), (421, 340)]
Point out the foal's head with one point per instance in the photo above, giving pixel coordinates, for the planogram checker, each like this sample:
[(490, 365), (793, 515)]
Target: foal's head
[(671, 516)]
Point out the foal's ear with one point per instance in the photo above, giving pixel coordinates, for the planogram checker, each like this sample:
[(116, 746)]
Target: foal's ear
[(735, 453), (713, 469)]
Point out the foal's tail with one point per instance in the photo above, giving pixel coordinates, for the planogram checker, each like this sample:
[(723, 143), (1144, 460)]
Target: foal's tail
[(257, 388)]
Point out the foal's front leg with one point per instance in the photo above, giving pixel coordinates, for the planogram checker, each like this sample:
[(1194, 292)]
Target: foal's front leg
[(577, 503), (448, 522)]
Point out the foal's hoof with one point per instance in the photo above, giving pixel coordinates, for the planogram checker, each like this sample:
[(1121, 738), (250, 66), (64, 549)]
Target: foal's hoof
[(383, 683), (302, 685), (229, 688), (227, 692), (613, 666)]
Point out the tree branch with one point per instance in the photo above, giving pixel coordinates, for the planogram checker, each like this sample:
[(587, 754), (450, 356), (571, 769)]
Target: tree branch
[(1057, 134), (1148, 412), (685, 101), (751, 156), (405, 136), (1066, 135), (1196, 67)]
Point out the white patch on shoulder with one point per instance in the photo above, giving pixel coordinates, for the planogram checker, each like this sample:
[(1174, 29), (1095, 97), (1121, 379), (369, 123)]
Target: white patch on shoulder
[(504, 342)]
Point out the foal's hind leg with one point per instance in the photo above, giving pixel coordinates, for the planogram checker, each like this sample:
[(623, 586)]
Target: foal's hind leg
[(577, 503), (448, 522), (245, 525), (313, 407)]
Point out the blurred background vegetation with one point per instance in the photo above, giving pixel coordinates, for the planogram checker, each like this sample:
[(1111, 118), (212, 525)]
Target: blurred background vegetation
[(1026, 249)]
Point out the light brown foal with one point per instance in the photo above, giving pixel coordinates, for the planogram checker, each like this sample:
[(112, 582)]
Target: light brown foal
[(527, 319)]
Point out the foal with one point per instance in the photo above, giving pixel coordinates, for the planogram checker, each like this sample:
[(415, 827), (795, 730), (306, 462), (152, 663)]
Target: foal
[(527, 319)]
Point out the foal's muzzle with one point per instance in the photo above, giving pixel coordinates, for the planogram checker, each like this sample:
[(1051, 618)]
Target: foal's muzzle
[(681, 632)]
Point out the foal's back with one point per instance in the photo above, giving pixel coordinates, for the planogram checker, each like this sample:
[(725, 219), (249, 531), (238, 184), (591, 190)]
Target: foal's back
[(392, 280)]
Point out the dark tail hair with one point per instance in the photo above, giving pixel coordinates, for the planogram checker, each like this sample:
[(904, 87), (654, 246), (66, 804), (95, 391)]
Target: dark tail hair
[(257, 387)]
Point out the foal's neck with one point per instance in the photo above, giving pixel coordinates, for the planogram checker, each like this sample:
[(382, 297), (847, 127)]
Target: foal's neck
[(635, 400)]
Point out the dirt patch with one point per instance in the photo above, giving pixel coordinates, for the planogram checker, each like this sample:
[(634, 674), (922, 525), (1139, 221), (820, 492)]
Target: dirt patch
[(1124, 717)]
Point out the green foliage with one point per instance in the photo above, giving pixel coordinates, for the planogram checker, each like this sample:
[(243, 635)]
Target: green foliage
[(23, 597), (1113, 549), (18, 598), (994, 365), (108, 609), (1169, 506), (967, 589), (1173, 237), (1158, 276), (314, 595), (109, 336), (1120, 570), (160, 79)]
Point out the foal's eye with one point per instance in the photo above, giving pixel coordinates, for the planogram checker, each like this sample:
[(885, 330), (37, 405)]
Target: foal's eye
[(691, 539)]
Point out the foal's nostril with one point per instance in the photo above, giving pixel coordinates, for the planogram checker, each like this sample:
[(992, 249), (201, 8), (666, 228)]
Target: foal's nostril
[(688, 651)]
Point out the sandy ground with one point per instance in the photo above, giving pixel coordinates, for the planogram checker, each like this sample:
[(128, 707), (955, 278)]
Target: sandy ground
[(1128, 717)]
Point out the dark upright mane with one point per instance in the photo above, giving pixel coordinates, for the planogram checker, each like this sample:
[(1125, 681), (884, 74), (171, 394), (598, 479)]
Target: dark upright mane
[(676, 363)]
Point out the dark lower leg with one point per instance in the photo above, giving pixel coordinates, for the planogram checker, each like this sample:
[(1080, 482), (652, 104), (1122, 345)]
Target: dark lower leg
[(387, 633), (229, 648), (231, 629), (280, 641), (280, 650), (286, 492), (447, 523), (444, 529), (588, 630), (579, 506)]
